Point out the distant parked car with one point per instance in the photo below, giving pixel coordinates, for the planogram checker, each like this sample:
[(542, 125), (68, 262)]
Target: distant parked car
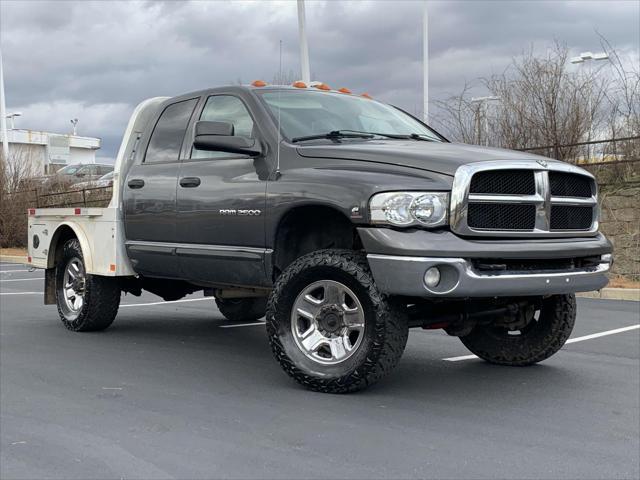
[(71, 174), (104, 181)]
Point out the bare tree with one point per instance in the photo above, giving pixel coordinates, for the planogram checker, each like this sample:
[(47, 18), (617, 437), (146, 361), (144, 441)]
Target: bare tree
[(540, 104)]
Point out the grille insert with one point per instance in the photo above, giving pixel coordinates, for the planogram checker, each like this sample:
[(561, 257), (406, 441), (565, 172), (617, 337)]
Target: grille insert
[(569, 217), (501, 216), (505, 182), (569, 185)]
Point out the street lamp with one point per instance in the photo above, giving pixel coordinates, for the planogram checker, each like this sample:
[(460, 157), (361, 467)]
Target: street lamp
[(589, 58), (11, 117), (484, 104)]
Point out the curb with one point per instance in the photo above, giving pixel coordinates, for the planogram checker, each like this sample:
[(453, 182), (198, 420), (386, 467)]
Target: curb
[(13, 259), (632, 294)]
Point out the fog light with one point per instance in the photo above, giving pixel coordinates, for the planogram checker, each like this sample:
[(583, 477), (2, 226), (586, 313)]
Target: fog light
[(432, 277)]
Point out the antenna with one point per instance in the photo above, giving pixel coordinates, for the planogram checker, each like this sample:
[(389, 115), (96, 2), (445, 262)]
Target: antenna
[(279, 134)]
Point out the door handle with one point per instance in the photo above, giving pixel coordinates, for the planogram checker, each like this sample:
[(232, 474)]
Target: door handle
[(189, 182), (136, 183)]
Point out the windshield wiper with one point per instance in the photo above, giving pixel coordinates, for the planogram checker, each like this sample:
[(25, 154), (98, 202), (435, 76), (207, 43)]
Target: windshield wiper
[(335, 134), (361, 134), (421, 136)]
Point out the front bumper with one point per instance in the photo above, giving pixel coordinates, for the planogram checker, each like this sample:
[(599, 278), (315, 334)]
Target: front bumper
[(399, 261)]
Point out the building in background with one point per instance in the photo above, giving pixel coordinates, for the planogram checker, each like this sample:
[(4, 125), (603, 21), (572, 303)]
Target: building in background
[(47, 152)]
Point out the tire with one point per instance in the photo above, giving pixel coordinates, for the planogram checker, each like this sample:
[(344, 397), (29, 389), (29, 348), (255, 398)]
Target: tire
[(380, 323), (536, 342), (242, 309), (86, 303)]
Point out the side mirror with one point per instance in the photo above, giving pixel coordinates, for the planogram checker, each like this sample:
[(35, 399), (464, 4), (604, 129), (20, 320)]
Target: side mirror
[(218, 136)]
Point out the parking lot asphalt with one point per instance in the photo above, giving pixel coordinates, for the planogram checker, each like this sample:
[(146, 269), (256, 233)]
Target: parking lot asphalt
[(173, 390)]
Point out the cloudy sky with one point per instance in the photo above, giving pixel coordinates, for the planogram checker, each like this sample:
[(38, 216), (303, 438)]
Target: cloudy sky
[(97, 60)]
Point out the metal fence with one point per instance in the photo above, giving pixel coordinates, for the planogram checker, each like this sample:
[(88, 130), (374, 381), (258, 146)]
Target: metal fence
[(595, 152), (86, 197)]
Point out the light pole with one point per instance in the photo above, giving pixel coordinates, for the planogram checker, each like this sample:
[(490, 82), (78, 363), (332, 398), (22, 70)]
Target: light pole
[(484, 105), (304, 46), (3, 115), (589, 58), (425, 63), (11, 117)]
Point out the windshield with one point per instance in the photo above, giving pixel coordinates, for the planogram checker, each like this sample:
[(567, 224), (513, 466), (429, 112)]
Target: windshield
[(106, 176), (306, 113), (69, 170)]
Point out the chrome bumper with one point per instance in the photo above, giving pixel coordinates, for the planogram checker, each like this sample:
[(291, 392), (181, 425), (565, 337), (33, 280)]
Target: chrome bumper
[(402, 275)]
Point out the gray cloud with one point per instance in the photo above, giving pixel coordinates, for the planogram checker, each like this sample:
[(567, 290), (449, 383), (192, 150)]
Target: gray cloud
[(96, 60)]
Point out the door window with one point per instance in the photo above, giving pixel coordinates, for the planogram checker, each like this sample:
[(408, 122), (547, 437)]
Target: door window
[(225, 108), (167, 136)]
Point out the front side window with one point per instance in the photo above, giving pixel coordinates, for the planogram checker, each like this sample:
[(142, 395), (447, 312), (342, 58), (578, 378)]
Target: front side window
[(306, 112), (70, 170), (167, 136), (225, 108), (89, 170)]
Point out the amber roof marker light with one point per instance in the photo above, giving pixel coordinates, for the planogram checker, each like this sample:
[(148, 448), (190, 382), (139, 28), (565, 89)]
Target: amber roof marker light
[(323, 86), (344, 90), (258, 83), (299, 85), (366, 95)]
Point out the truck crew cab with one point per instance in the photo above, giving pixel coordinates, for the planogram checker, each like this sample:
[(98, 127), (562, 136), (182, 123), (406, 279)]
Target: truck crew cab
[(344, 220)]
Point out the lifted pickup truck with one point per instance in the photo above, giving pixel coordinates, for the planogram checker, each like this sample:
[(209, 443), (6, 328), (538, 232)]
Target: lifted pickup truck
[(344, 220)]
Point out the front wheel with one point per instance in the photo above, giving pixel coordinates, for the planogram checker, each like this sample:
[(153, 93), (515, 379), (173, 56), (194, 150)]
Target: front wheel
[(329, 326), (545, 332), (85, 302)]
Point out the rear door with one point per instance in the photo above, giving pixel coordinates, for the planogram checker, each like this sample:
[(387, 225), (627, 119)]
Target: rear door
[(221, 199), (150, 194)]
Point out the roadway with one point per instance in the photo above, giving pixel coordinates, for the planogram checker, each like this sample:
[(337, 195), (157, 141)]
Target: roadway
[(173, 390)]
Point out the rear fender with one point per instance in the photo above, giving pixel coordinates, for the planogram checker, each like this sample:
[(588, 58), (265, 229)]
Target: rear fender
[(82, 238)]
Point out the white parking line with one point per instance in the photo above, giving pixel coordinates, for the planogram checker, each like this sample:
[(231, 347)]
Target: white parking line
[(20, 293), (22, 279), (243, 325), (571, 340), (603, 334), (11, 271), (165, 303)]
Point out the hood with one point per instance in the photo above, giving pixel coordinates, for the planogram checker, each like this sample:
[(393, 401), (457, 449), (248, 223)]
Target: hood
[(437, 157)]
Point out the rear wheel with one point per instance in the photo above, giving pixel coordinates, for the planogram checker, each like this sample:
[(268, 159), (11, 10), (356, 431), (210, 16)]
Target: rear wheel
[(85, 302), (329, 326), (544, 331), (242, 309)]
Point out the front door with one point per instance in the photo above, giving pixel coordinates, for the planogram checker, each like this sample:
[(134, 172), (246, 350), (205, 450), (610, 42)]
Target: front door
[(150, 195), (221, 199)]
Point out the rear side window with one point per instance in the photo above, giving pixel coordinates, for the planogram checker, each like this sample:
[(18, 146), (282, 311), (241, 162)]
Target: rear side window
[(167, 136), (230, 109)]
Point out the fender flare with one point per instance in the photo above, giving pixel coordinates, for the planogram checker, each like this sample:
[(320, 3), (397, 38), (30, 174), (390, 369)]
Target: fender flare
[(82, 238)]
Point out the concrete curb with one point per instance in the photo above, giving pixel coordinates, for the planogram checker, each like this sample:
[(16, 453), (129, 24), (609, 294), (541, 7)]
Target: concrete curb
[(632, 294), (13, 259)]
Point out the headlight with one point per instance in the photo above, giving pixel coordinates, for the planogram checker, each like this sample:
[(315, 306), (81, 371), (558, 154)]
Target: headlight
[(405, 209)]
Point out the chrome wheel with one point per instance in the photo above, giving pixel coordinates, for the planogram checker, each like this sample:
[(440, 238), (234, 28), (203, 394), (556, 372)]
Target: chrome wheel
[(327, 322), (73, 285)]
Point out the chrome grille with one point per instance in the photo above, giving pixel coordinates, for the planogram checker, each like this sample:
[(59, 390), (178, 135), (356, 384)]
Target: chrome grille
[(506, 182), (502, 216), (569, 185), (523, 199), (569, 217)]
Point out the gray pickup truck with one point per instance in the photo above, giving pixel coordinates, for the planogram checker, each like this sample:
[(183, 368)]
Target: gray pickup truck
[(344, 220)]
